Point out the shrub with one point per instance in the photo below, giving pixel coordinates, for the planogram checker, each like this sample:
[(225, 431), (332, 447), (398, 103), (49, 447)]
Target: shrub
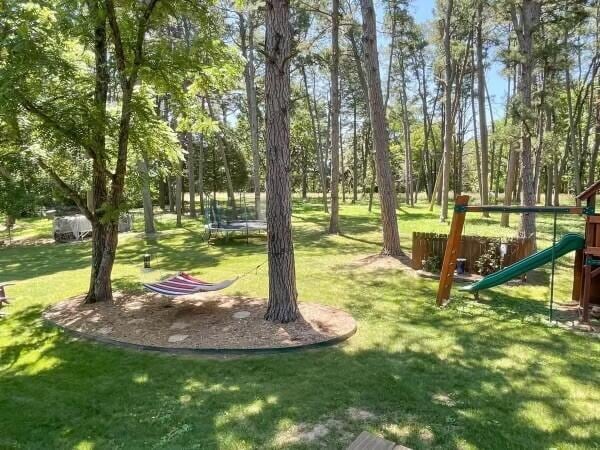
[(489, 261), (432, 264)]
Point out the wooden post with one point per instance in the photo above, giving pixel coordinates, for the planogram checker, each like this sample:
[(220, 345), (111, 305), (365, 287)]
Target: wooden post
[(452, 247), (585, 299), (577, 278)]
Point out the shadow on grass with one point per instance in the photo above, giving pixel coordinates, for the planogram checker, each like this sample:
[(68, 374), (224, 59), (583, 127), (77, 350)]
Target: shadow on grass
[(21, 263), (414, 394)]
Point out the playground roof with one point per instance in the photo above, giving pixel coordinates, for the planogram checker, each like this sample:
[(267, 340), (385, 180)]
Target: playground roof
[(590, 191)]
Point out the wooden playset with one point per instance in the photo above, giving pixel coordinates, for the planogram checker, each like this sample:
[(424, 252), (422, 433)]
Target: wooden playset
[(586, 281)]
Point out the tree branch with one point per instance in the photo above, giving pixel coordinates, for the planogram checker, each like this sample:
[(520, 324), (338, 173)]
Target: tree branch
[(67, 190), (516, 26), (141, 32), (120, 58)]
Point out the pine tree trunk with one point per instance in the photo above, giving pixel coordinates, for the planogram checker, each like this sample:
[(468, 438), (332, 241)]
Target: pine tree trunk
[(316, 139), (572, 130), (334, 219), (282, 306), (595, 149), (171, 195), (162, 194), (476, 142), (222, 146), (178, 195), (354, 156), (548, 199), (247, 44), (483, 131), (448, 129), (385, 182), (408, 173), (201, 173), (146, 196), (511, 174), (191, 166), (525, 26), (342, 168)]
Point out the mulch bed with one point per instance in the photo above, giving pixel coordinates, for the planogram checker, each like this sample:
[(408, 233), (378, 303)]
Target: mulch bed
[(566, 315), (201, 321)]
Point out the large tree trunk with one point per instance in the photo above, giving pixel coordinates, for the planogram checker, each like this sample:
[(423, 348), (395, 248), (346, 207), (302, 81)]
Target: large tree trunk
[(334, 220), (282, 306), (99, 289), (483, 131), (525, 25), (385, 182), (104, 227), (448, 119)]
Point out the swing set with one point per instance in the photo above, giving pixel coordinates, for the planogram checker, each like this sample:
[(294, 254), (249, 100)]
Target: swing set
[(586, 280)]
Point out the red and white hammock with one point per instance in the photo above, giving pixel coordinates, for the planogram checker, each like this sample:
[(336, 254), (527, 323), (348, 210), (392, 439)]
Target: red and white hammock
[(185, 284)]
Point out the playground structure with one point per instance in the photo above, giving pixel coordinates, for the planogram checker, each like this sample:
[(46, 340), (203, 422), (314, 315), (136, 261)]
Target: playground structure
[(221, 220), (586, 280)]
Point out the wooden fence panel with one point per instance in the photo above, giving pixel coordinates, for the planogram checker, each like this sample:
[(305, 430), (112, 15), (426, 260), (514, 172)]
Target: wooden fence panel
[(426, 245)]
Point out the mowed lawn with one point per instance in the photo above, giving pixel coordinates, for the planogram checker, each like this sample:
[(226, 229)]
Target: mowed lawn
[(473, 375)]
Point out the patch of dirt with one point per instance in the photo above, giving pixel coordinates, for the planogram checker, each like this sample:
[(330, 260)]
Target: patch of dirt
[(315, 432), (360, 414), (378, 261), (26, 241), (566, 315), (208, 321)]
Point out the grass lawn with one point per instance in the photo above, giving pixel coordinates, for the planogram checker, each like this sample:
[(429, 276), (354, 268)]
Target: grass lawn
[(473, 375)]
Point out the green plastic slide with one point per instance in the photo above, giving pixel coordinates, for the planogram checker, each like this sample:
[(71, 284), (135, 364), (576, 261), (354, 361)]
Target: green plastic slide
[(569, 242)]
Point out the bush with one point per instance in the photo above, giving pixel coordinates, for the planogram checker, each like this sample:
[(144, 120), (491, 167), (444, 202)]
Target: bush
[(489, 261), (432, 264)]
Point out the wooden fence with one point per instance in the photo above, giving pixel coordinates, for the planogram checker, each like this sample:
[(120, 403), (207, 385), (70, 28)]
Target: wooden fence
[(425, 245)]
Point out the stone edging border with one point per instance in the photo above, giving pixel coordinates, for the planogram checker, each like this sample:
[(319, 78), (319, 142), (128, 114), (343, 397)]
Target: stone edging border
[(202, 351)]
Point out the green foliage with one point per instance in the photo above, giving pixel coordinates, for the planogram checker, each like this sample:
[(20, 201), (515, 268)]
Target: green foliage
[(432, 264), (490, 261)]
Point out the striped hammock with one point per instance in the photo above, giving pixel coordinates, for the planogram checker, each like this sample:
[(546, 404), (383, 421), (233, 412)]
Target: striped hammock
[(185, 284)]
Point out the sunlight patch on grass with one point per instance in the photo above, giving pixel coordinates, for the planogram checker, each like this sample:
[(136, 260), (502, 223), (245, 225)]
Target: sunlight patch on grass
[(539, 415), (85, 445), (141, 379)]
